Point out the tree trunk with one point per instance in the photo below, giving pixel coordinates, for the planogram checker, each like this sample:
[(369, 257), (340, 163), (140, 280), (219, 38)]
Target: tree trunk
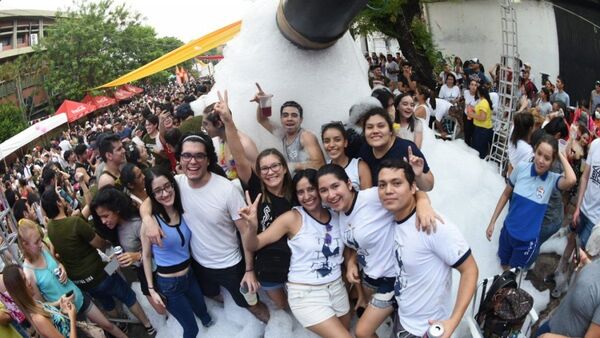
[(413, 53)]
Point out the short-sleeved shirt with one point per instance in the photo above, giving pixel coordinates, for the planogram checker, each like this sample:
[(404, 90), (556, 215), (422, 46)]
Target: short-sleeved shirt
[(272, 262), (210, 212), (561, 96), (522, 152), (424, 265), (391, 67), (485, 106), (399, 150), (129, 236), (531, 193), (581, 305), (71, 237), (591, 199)]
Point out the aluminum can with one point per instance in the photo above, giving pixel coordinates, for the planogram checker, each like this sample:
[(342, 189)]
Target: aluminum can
[(57, 273), (435, 331), (118, 250)]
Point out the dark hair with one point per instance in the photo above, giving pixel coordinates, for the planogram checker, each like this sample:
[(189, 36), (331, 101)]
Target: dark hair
[(429, 94), (383, 96), (49, 200), (173, 136), (67, 154), (334, 170), (523, 122), (334, 125), (114, 200), (157, 208), (80, 149), (19, 209), (546, 93), (132, 153), (412, 119), (287, 187), (127, 174), (451, 75), (557, 126), (310, 174), (395, 163), (201, 137), (485, 94), (377, 111), (153, 119), (559, 77), (105, 145), (214, 118), (292, 104), (546, 138)]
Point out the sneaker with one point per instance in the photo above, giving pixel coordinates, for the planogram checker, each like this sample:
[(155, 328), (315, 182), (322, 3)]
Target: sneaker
[(124, 327), (150, 330)]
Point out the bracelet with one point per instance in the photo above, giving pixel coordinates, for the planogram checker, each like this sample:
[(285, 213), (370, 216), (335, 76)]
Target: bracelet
[(250, 270), (151, 287)]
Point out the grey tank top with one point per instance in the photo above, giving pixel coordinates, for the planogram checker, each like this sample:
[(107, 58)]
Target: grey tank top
[(294, 152)]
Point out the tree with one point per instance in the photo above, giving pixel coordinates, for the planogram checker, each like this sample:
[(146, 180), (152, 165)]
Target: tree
[(95, 43), (402, 19), (11, 121)]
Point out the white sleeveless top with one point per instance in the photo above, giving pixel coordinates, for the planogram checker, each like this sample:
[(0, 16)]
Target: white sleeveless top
[(317, 251), (427, 110), (353, 173)]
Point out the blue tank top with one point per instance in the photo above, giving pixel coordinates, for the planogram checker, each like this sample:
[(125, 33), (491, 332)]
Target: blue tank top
[(50, 287), (174, 255)]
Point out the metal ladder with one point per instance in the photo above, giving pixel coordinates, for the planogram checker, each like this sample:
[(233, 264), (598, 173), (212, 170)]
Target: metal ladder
[(507, 87)]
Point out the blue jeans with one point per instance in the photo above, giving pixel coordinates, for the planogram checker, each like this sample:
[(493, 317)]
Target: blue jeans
[(482, 140), (584, 228), (184, 299), (545, 328), (113, 286)]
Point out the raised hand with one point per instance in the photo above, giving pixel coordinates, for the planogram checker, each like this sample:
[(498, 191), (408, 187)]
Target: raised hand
[(249, 212), (258, 94), (222, 107), (417, 163)]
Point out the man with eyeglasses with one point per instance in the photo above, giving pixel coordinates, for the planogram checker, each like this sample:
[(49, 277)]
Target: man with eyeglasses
[(211, 204), (300, 147)]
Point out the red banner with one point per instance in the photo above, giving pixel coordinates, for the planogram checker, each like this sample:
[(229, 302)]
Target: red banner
[(74, 110)]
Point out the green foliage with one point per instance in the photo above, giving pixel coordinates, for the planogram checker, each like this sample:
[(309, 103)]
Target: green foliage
[(11, 121), (96, 42), (424, 42)]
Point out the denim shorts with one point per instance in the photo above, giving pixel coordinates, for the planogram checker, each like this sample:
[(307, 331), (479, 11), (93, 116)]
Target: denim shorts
[(269, 286), (383, 290), (113, 286)]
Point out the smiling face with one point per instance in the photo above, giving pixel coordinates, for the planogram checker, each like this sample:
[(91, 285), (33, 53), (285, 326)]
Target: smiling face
[(31, 242), (395, 192), (194, 169), (406, 107), (108, 217), (377, 131), (163, 191), (543, 158), (336, 193), (151, 128), (272, 172), (307, 195), (290, 119), (334, 143)]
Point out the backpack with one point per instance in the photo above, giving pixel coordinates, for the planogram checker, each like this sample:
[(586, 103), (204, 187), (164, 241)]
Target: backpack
[(504, 308)]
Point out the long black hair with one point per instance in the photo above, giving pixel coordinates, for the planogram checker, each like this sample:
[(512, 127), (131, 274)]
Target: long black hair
[(310, 174), (158, 208), (485, 94), (116, 201)]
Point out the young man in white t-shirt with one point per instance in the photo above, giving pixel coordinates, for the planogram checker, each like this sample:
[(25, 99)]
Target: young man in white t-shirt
[(424, 262), (211, 204)]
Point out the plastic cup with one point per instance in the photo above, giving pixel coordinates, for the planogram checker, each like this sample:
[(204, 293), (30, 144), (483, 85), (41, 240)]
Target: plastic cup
[(264, 103), (562, 145), (250, 297)]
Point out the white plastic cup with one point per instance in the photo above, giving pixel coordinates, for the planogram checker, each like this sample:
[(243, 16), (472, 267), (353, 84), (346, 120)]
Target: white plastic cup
[(264, 103), (250, 297), (562, 145)]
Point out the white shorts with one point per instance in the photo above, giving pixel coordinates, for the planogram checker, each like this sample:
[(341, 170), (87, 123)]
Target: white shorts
[(313, 304)]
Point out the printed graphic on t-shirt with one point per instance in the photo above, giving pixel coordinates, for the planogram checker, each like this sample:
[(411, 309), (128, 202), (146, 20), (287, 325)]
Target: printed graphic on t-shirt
[(595, 174), (361, 253), (330, 247), (400, 282), (266, 218)]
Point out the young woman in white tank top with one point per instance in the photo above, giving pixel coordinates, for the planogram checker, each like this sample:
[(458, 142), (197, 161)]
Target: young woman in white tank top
[(335, 142), (316, 292)]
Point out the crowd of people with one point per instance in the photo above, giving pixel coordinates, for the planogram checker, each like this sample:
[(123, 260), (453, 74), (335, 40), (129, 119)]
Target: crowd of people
[(335, 223)]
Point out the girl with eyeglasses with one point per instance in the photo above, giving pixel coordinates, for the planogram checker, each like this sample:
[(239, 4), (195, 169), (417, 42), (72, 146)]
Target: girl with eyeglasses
[(176, 286), (269, 177), (335, 142), (316, 292)]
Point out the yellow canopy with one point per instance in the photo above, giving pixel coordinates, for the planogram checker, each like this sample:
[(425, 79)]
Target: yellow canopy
[(179, 55)]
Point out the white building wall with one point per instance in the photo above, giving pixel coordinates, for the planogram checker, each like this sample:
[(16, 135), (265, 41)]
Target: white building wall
[(472, 29)]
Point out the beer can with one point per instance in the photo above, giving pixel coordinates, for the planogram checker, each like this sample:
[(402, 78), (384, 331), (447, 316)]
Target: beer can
[(57, 273), (118, 250), (435, 331)]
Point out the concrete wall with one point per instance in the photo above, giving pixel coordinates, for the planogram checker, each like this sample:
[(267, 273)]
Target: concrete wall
[(472, 29)]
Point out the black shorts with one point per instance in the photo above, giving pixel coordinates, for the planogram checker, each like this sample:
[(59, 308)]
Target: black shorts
[(230, 278), (85, 307)]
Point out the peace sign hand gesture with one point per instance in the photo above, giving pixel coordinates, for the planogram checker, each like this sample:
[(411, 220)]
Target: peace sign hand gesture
[(417, 163), (222, 107), (249, 212)]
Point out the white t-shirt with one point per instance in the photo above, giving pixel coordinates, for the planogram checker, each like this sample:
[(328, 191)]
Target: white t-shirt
[(367, 228), (522, 152), (392, 66), (210, 212), (591, 199), (441, 108), (469, 99), (495, 100), (449, 94), (424, 272)]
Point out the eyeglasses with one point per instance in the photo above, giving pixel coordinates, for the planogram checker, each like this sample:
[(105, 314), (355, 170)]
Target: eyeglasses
[(275, 167), (167, 188), (197, 156)]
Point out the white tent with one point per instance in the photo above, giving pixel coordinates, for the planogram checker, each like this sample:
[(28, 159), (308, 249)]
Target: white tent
[(31, 134)]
